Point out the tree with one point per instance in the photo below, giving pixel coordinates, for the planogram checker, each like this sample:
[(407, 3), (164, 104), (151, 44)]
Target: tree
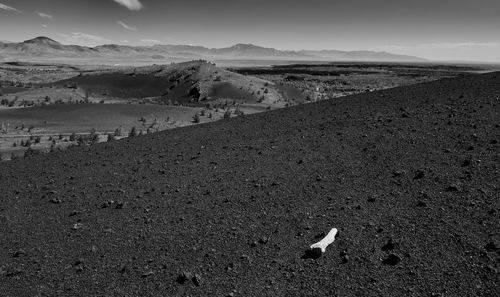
[(118, 131), (133, 132)]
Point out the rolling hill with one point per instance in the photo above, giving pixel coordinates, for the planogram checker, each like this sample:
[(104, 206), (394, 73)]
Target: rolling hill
[(197, 82)]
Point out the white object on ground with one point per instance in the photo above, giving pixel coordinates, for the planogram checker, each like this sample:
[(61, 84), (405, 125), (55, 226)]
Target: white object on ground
[(329, 239)]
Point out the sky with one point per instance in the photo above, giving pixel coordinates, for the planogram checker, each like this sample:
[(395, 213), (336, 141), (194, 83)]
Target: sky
[(433, 29)]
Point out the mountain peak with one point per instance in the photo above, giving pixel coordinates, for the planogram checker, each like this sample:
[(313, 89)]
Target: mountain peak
[(42, 40), (241, 46)]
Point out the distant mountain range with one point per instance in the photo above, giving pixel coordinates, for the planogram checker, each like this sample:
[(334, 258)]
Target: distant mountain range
[(44, 47)]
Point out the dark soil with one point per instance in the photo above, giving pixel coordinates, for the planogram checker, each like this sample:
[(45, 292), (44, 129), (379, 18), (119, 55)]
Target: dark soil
[(126, 86), (226, 90), (120, 85), (229, 208)]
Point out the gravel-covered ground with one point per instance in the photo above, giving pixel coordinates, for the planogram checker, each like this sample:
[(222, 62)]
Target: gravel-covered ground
[(409, 176)]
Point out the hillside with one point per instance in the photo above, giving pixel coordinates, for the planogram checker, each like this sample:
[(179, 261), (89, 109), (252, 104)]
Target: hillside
[(41, 48), (189, 82), (408, 175)]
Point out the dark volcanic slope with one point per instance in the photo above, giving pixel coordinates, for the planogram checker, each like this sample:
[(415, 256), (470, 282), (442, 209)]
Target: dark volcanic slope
[(410, 176)]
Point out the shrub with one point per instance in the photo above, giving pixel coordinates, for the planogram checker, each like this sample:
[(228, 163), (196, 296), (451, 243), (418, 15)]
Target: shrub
[(111, 137), (227, 114), (31, 152), (238, 112), (196, 118), (94, 137), (72, 137)]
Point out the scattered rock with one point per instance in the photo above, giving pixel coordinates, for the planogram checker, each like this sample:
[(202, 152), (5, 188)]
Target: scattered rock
[(392, 260), (419, 174), (14, 272), (491, 246), (452, 188), (184, 277), (196, 279), (74, 213), (79, 268), (263, 240), (55, 200), (398, 173), (147, 273), (344, 257), (312, 254), (19, 253), (421, 203), (492, 269), (389, 246), (77, 226), (78, 261)]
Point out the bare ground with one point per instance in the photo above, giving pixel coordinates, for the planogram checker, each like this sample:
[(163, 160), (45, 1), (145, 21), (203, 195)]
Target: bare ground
[(408, 175)]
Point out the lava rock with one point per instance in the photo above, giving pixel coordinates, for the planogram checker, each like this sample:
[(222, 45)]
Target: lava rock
[(147, 273), (421, 203), (392, 260), (491, 246), (419, 174), (389, 246), (19, 253), (315, 253), (184, 277), (197, 280), (263, 240), (344, 257)]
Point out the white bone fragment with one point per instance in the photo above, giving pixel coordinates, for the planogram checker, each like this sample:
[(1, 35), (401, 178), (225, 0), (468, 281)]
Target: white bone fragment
[(329, 239)]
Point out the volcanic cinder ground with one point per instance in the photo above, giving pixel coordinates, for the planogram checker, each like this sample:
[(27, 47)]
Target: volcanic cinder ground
[(409, 176)]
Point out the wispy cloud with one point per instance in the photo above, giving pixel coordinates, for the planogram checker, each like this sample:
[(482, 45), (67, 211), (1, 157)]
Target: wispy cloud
[(127, 27), (130, 4), (45, 26), (83, 39), (45, 15), (8, 8)]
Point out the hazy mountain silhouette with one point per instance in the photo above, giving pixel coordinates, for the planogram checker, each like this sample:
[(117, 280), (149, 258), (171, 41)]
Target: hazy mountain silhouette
[(41, 47)]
